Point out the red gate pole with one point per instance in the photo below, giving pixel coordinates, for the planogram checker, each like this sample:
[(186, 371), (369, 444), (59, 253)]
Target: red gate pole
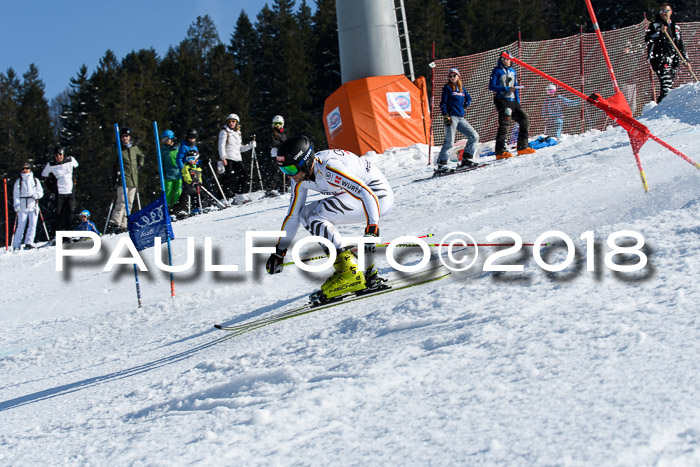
[(596, 28)]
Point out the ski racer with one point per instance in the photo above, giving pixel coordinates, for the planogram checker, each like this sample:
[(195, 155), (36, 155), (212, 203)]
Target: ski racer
[(357, 193)]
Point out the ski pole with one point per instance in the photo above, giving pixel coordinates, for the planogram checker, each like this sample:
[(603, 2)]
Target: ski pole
[(252, 163), (413, 245), (686, 62), (138, 199), (14, 231), (46, 231), (199, 197), (213, 197), (257, 166), (313, 258), (219, 185), (109, 213)]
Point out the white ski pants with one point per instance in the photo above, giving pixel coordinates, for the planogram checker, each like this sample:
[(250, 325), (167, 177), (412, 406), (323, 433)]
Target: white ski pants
[(25, 219), (321, 217)]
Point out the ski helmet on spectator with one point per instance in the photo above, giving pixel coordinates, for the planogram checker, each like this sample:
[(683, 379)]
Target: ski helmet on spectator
[(191, 133), (278, 120), (167, 134), (551, 89), (192, 156), (295, 155), (57, 150), (500, 57), (85, 213), (232, 117), (126, 131)]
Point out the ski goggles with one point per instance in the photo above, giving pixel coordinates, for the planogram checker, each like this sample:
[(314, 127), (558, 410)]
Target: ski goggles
[(290, 170), (278, 124)]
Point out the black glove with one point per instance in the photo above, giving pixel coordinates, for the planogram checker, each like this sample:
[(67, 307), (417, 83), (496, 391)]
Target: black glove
[(372, 230), (448, 120), (274, 262)]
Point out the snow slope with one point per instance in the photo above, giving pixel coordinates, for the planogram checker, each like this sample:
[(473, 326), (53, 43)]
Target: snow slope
[(531, 368)]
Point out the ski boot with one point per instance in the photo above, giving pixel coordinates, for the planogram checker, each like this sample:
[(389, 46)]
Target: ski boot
[(346, 279), (373, 281)]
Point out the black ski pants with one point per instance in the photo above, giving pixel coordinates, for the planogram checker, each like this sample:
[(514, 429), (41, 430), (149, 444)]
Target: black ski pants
[(666, 74), (65, 207), (234, 178), (507, 112)]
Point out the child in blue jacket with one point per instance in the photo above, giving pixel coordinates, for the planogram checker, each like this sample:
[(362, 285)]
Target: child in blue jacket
[(86, 225)]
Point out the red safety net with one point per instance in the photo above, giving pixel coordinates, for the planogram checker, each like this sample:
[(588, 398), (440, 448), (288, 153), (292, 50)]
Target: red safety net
[(575, 60)]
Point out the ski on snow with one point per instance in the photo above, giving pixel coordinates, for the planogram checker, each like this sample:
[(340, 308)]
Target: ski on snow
[(392, 285), (458, 170)]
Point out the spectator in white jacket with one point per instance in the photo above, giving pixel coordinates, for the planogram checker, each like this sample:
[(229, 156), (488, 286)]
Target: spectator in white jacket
[(230, 148), (26, 192), (62, 169)]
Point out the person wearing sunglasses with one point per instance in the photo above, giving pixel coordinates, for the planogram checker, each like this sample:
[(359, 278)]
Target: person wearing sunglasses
[(26, 192), (453, 103), (61, 169), (358, 193), (661, 52)]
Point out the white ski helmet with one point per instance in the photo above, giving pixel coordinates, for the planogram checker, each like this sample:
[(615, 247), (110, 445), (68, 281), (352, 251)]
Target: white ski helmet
[(232, 117), (551, 89), (278, 119)]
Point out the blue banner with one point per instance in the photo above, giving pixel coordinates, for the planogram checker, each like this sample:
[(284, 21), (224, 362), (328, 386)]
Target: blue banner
[(150, 222)]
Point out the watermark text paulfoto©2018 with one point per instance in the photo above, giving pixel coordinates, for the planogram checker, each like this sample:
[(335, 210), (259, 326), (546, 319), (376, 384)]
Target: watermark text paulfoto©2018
[(450, 244)]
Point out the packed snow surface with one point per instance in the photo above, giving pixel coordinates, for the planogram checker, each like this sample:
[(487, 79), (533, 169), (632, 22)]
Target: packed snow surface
[(575, 367)]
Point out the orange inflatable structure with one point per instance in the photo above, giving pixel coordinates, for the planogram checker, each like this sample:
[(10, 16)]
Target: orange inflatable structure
[(377, 113)]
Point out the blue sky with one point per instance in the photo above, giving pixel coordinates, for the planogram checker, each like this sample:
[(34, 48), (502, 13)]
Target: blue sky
[(61, 35)]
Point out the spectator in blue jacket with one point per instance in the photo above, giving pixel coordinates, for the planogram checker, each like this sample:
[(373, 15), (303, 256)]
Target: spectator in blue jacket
[(504, 84), (553, 111), (453, 104)]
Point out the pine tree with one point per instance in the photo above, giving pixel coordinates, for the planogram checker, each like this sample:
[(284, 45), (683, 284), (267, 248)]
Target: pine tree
[(243, 48), (9, 123), (36, 137), (426, 25)]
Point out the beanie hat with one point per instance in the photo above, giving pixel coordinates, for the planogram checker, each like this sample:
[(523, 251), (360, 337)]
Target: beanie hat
[(455, 71), (551, 89)]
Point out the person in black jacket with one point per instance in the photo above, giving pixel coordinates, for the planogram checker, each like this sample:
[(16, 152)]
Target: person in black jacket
[(277, 137), (661, 52)]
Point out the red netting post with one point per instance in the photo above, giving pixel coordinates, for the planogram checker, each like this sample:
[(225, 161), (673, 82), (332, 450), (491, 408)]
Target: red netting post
[(583, 76), (432, 98), (7, 231)]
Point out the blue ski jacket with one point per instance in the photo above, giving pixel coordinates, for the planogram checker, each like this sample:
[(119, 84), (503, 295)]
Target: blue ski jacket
[(454, 102), (502, 78)]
